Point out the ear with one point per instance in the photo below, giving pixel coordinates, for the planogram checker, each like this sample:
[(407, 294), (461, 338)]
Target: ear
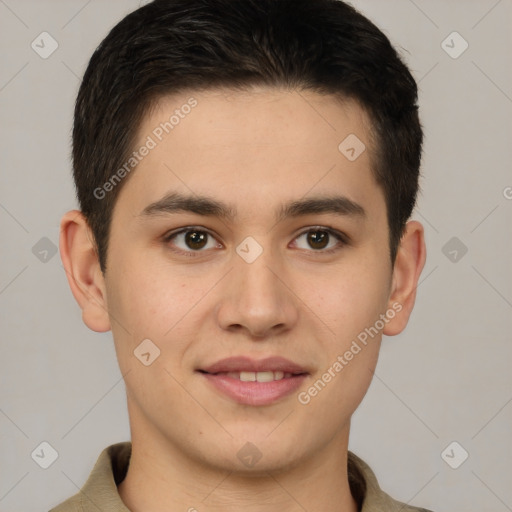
[(80, 259), (409, 263)]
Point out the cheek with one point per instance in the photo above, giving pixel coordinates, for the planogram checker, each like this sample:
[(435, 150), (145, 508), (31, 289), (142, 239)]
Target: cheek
[(144, 296), (145, 307), (349, 298), (355, 306), (151, 302)]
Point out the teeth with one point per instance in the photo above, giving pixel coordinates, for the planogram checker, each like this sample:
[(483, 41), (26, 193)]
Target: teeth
[(264, 376), (258, 376), (247, 376)]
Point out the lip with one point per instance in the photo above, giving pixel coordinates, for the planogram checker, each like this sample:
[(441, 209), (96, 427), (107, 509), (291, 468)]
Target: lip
[(246, 364), (254, 393)]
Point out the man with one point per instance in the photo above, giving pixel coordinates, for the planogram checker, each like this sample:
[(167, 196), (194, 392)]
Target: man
[(245, 170)]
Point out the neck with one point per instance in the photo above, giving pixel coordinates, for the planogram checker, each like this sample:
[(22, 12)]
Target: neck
[(162, 477)]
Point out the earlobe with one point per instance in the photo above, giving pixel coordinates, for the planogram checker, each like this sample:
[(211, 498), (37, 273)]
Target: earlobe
[(409, 263), (80, 260)]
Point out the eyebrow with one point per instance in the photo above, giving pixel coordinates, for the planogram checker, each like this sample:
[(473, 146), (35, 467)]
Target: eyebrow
[(202, 205)]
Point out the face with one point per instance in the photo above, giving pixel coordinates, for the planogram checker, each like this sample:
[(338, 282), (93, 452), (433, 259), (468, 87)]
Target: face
[(253, 253)]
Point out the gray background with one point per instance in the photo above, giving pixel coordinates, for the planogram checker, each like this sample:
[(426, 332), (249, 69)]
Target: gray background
[(445, 378)]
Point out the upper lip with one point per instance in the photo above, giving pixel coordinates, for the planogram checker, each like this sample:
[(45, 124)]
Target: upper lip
[(246, 364)]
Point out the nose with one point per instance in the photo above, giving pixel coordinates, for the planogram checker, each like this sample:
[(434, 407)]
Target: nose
[(257, 299)]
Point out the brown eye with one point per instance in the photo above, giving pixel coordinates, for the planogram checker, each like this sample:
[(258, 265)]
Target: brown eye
[(189, 241), (318, 239), (321, 240), (196, 239)]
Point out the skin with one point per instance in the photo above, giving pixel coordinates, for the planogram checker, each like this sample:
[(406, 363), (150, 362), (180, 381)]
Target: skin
[(253, 150)]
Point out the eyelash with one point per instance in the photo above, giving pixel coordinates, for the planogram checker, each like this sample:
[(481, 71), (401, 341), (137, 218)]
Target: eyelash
[(341, 237)]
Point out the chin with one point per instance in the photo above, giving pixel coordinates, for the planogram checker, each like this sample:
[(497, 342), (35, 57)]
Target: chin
[(253, 456)]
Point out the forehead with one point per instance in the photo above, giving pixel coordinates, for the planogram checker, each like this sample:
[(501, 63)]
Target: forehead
[(260, 115), (255, 145)]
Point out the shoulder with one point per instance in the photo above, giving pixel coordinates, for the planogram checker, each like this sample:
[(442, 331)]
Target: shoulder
[(371, 497), (72, 504), (100, 489)]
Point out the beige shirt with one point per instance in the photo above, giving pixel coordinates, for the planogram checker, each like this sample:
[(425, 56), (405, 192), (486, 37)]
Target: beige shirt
[(100, 493)]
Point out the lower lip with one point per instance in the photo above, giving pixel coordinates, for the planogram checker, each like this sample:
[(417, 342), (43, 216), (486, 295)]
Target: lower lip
[(255, 393)]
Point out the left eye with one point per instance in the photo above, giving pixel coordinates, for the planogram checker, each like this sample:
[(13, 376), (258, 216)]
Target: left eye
[(319, 239)]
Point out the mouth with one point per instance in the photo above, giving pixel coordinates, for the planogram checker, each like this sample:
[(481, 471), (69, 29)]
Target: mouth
[(254, 382), (265, 376)]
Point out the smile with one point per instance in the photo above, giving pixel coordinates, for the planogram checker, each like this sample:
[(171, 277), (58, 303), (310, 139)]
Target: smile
[(255, 382), (267, 376)]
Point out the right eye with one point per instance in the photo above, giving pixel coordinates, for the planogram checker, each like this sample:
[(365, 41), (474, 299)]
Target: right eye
[(190, 240)]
